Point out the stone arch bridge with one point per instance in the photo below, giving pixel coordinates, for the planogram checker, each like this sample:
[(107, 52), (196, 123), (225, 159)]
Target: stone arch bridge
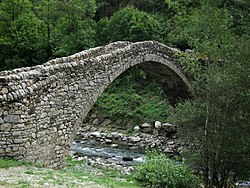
[(41, 107)]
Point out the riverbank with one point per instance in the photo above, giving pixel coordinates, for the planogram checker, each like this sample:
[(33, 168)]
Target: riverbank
[(164, 137), (112, 147), (75, 174)]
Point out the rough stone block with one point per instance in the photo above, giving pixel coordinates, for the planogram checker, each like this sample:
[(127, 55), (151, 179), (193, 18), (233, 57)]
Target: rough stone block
[(33, 135), (12, 118), (17, 133), (5, 127), (4, 90), (1, 120), (18, 141), (8, 150)]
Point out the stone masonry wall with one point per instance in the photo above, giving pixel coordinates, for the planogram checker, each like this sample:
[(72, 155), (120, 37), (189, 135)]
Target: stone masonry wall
[(41, 107)]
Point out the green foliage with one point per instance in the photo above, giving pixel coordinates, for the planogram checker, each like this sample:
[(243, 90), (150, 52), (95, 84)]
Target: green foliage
[(106, 8), (161, 172), (74, 29), (207, 29), (193, 63), (7, 163), (21, 35), (71, 37), (31, 32), (130, 24), (240, 17), (109, 178), (133, 96), (76, 9), (182, 7), (218, 121)]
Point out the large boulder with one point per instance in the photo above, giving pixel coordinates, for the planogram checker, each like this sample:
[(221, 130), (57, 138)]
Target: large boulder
[(146, 125), (137, 128), (169, 128), (146, 128)]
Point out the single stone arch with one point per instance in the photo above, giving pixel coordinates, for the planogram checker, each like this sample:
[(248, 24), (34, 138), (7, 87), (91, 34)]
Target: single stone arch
[(43, 106)]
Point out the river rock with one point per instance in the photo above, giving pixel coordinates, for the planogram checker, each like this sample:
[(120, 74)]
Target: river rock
[(146, 125), (99, 174), (127, 158), (146, 128), (180, 149), (72, 153), (128, 170), (125, 138), (105, 122), (116, 135), (170, 143), (96, 121), (108, 141), (136, 128), (169, 127), (114, 145), (96, 134), (139, 159), (168, 150), (134, 139), (158, 125)]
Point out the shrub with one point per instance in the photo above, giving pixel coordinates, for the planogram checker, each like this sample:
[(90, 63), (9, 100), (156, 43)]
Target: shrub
[(159, 171)]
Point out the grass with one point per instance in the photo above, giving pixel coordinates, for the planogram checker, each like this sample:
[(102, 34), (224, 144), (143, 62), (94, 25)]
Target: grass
[(109, 177), (7, 163), (4, 184), (74, 174)]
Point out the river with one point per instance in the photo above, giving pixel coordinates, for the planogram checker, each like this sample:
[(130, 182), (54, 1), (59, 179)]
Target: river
[(121, 155)]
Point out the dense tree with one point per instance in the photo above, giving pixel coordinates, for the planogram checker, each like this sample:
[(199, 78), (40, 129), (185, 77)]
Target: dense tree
[(74, 29), (217, 121), (21, 35), (212, 35), (34, 31), (130, 24), (68, 38), (45, 10), (106, 8)]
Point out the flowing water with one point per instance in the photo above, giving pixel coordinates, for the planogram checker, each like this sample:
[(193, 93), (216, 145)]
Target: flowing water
[(121, 154)]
